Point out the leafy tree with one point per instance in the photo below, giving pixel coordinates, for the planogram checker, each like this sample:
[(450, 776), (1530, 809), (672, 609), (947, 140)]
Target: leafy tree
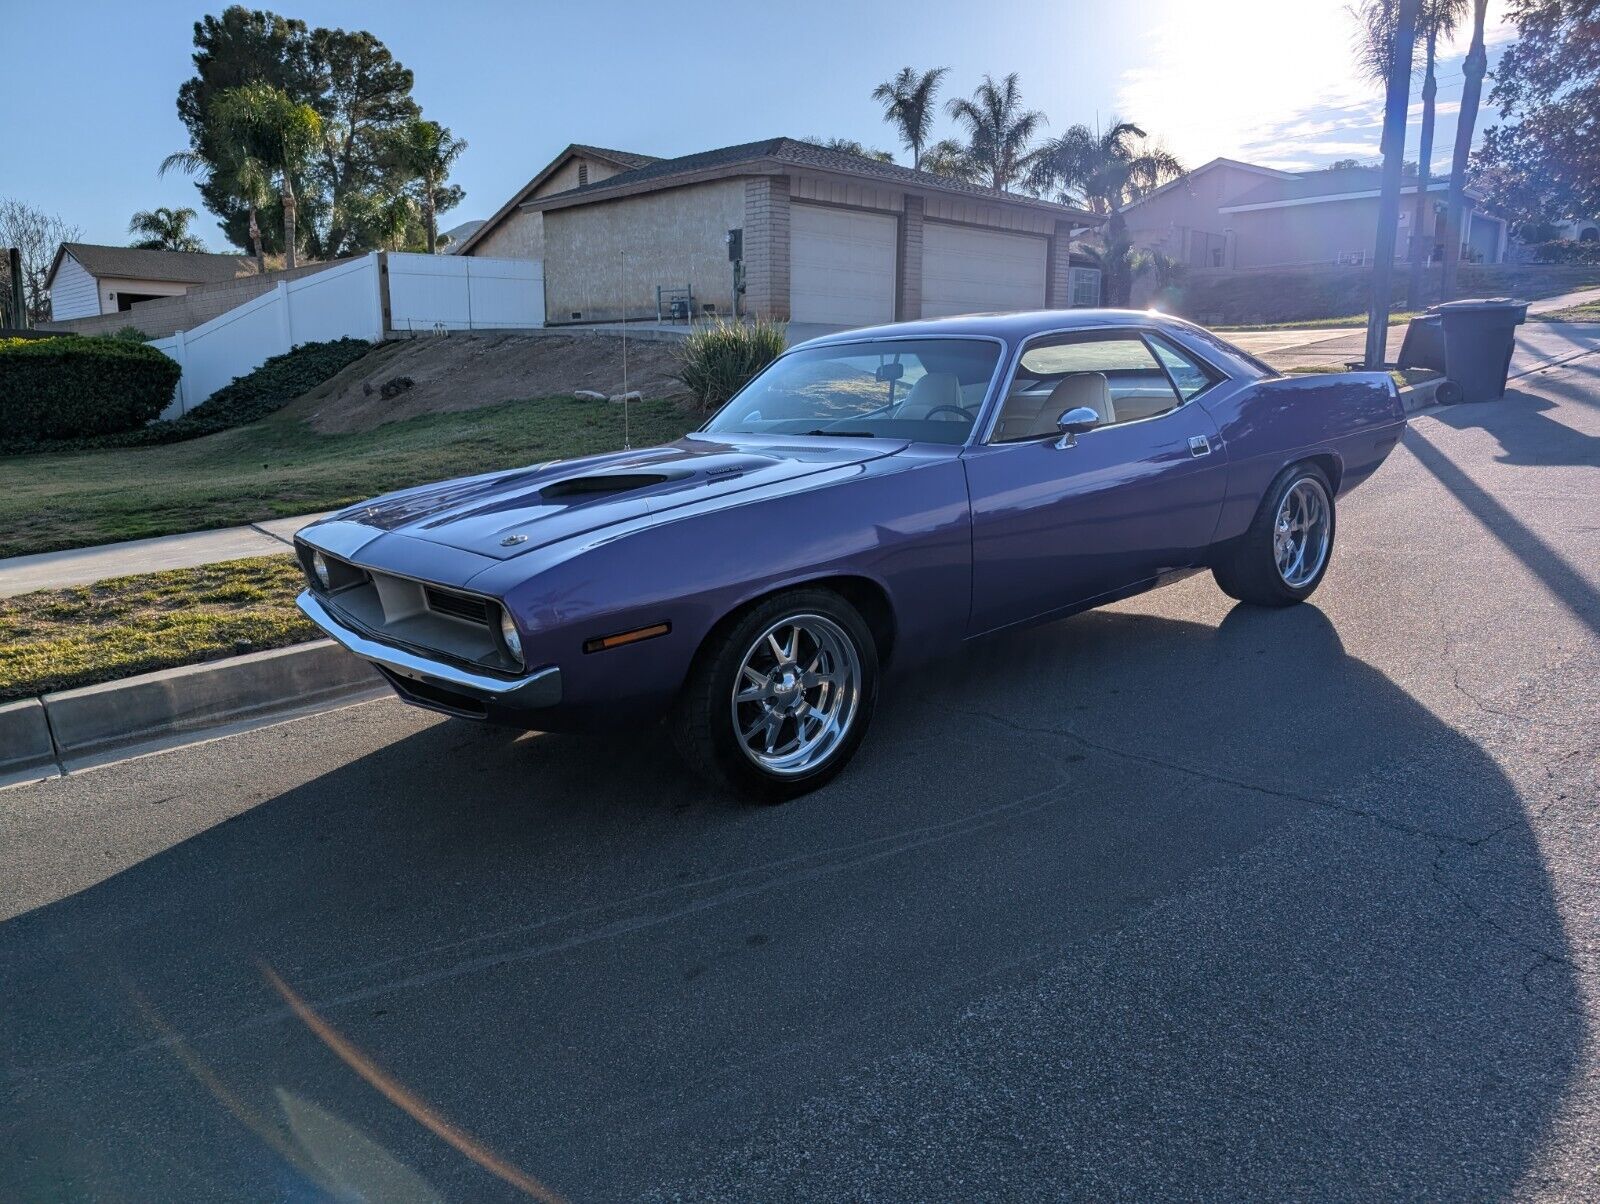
[(851, 147), (359, 93), (1000, 131), (426, 150), (36, 235), (950, 158), (165, 230), (1543, 163), (1105, 173), (908, 105), (270, 128)]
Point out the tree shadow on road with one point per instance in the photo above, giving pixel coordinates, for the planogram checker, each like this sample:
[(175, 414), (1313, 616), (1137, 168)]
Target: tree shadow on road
[(1124, 906)]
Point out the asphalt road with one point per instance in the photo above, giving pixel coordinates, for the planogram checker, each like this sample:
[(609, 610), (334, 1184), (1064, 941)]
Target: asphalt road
[(1177, 900)]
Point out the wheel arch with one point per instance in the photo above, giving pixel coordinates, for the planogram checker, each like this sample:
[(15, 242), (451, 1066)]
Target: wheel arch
[(868, 595)]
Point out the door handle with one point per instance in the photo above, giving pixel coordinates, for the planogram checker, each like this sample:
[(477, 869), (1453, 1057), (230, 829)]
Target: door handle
[(1199, 445)]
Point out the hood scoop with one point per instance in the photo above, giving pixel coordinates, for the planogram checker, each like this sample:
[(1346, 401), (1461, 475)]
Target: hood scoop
[(601, 483)]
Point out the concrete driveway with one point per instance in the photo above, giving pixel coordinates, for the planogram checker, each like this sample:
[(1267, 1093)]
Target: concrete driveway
[(1174, 900)]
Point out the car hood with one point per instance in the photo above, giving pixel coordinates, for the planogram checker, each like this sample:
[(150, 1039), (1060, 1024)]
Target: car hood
[(507, 514)]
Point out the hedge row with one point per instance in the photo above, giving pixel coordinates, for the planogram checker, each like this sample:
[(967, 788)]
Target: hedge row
[(1309, 294), (66, 388), (248, 398)]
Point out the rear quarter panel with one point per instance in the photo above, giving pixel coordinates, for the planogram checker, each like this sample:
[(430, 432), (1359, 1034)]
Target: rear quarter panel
[(902, 523), (1352, 419)]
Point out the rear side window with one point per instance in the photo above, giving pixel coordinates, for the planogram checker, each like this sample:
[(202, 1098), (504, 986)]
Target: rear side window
[(1116, 374), (1189, 377)]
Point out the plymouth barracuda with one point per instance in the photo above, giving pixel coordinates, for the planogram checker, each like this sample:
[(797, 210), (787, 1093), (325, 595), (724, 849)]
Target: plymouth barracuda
[(872, 498)]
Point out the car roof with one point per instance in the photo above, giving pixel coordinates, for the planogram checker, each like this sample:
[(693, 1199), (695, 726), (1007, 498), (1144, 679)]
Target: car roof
[(1009, 326)]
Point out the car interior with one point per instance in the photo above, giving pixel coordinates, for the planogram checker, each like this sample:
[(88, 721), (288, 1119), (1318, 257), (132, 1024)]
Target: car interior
[(1116, 375)]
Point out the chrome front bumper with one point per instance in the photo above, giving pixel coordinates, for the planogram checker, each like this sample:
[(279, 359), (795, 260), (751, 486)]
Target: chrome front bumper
[(540, 688)]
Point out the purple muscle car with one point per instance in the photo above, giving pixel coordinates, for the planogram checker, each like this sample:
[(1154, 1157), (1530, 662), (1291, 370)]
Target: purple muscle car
[(874, 497)]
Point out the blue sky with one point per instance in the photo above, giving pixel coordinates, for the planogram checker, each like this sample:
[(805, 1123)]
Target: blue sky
[(1266, 80)]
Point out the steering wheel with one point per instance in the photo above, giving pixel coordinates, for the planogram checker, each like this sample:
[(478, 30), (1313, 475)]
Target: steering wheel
[(960, 414)]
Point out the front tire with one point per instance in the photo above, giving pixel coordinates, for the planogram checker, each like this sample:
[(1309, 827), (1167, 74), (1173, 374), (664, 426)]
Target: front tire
[(1284, 555), (779, 699)]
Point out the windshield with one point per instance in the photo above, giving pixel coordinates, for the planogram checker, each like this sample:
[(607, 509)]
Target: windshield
[(922, 389)]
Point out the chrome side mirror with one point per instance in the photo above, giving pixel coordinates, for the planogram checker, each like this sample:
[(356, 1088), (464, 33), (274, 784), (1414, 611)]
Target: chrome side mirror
[(1074, 423)]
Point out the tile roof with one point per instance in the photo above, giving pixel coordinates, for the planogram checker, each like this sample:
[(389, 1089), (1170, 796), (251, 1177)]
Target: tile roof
[(626, 160), (802, 154), (1331, 182), (184, 267)]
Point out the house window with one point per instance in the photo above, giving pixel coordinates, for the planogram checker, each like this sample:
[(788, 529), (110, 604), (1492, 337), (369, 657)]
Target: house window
[(583, 174), (1084, 287)]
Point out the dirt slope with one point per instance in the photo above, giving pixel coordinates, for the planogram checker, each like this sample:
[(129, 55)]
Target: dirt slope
[(465, 371)]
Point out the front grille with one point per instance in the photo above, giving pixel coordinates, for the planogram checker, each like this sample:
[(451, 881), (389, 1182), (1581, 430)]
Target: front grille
[(458, 606)]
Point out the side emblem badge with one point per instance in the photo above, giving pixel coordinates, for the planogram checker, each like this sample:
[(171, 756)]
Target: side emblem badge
[(511, 541)]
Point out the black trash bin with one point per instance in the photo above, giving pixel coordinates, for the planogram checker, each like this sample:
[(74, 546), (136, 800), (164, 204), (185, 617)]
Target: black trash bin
[(1479, 336), (1424, 343)]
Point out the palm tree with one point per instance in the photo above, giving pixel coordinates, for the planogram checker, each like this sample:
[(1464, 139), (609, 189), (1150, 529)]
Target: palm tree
[(246, 182), (1105, 173), (908, 104), (1466, 122), (165, 230), (1374, 49), (999, 130), (270, 128), (428, 150), (851, 147)]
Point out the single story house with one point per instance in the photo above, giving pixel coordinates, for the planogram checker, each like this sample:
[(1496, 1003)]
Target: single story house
[(85, 279), (784, 229), (1227, 215)]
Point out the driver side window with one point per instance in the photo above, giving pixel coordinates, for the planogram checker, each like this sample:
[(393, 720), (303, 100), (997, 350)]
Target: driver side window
[(1114, 373)]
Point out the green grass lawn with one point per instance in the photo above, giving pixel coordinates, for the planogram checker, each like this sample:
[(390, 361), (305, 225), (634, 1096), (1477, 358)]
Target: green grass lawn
[(1359, 320), (280, 466), (62, 638), (1572, 313)]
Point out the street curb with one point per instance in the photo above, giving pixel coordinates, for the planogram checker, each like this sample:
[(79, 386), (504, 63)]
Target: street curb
[(27, 753), (94, 724), (1420, 396)]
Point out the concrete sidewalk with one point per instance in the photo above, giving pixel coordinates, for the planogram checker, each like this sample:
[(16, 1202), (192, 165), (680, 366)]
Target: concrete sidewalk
[(81, 566)]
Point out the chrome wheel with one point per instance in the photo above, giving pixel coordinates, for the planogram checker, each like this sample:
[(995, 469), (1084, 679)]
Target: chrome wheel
[(1300, 533), (796, 694)]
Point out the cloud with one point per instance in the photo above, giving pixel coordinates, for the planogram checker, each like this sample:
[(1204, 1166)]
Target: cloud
[(1266, 81)]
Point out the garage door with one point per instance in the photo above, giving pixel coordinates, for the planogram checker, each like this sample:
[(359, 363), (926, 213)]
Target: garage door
[(967, 271), (841, 266)]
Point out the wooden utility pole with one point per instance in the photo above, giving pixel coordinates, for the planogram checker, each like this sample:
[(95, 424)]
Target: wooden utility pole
[(1472, 71), (1396, 102)]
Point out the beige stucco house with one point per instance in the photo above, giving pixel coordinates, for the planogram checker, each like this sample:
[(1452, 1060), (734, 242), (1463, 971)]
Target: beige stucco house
[(785, 229), (1228, 215), (86, 279)]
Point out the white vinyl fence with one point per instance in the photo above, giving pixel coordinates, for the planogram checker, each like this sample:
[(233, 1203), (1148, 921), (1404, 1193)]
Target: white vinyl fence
[(427, 293)]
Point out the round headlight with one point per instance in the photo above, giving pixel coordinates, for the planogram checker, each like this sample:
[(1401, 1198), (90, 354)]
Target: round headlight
[(509, 633), (319, 567)]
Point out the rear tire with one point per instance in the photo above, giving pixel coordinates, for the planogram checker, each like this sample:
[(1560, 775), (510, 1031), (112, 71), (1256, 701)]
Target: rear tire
[(779, 698), (1281, 559)]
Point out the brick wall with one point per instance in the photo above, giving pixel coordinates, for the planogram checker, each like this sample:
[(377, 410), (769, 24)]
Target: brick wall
[(908, 292), (168, 315), (766, 247), (1058, 268)]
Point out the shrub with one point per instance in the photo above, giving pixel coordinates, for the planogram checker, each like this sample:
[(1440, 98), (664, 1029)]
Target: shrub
[(718, 359), (131, 334), (252, 396), (76, 387), (1562, 250)]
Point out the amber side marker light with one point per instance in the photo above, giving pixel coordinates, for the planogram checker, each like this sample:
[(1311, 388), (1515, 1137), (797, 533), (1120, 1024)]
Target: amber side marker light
[(601, 643)]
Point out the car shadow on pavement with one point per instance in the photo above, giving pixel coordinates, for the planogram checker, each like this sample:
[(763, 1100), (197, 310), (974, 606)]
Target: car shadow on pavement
[(1123, 906)]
